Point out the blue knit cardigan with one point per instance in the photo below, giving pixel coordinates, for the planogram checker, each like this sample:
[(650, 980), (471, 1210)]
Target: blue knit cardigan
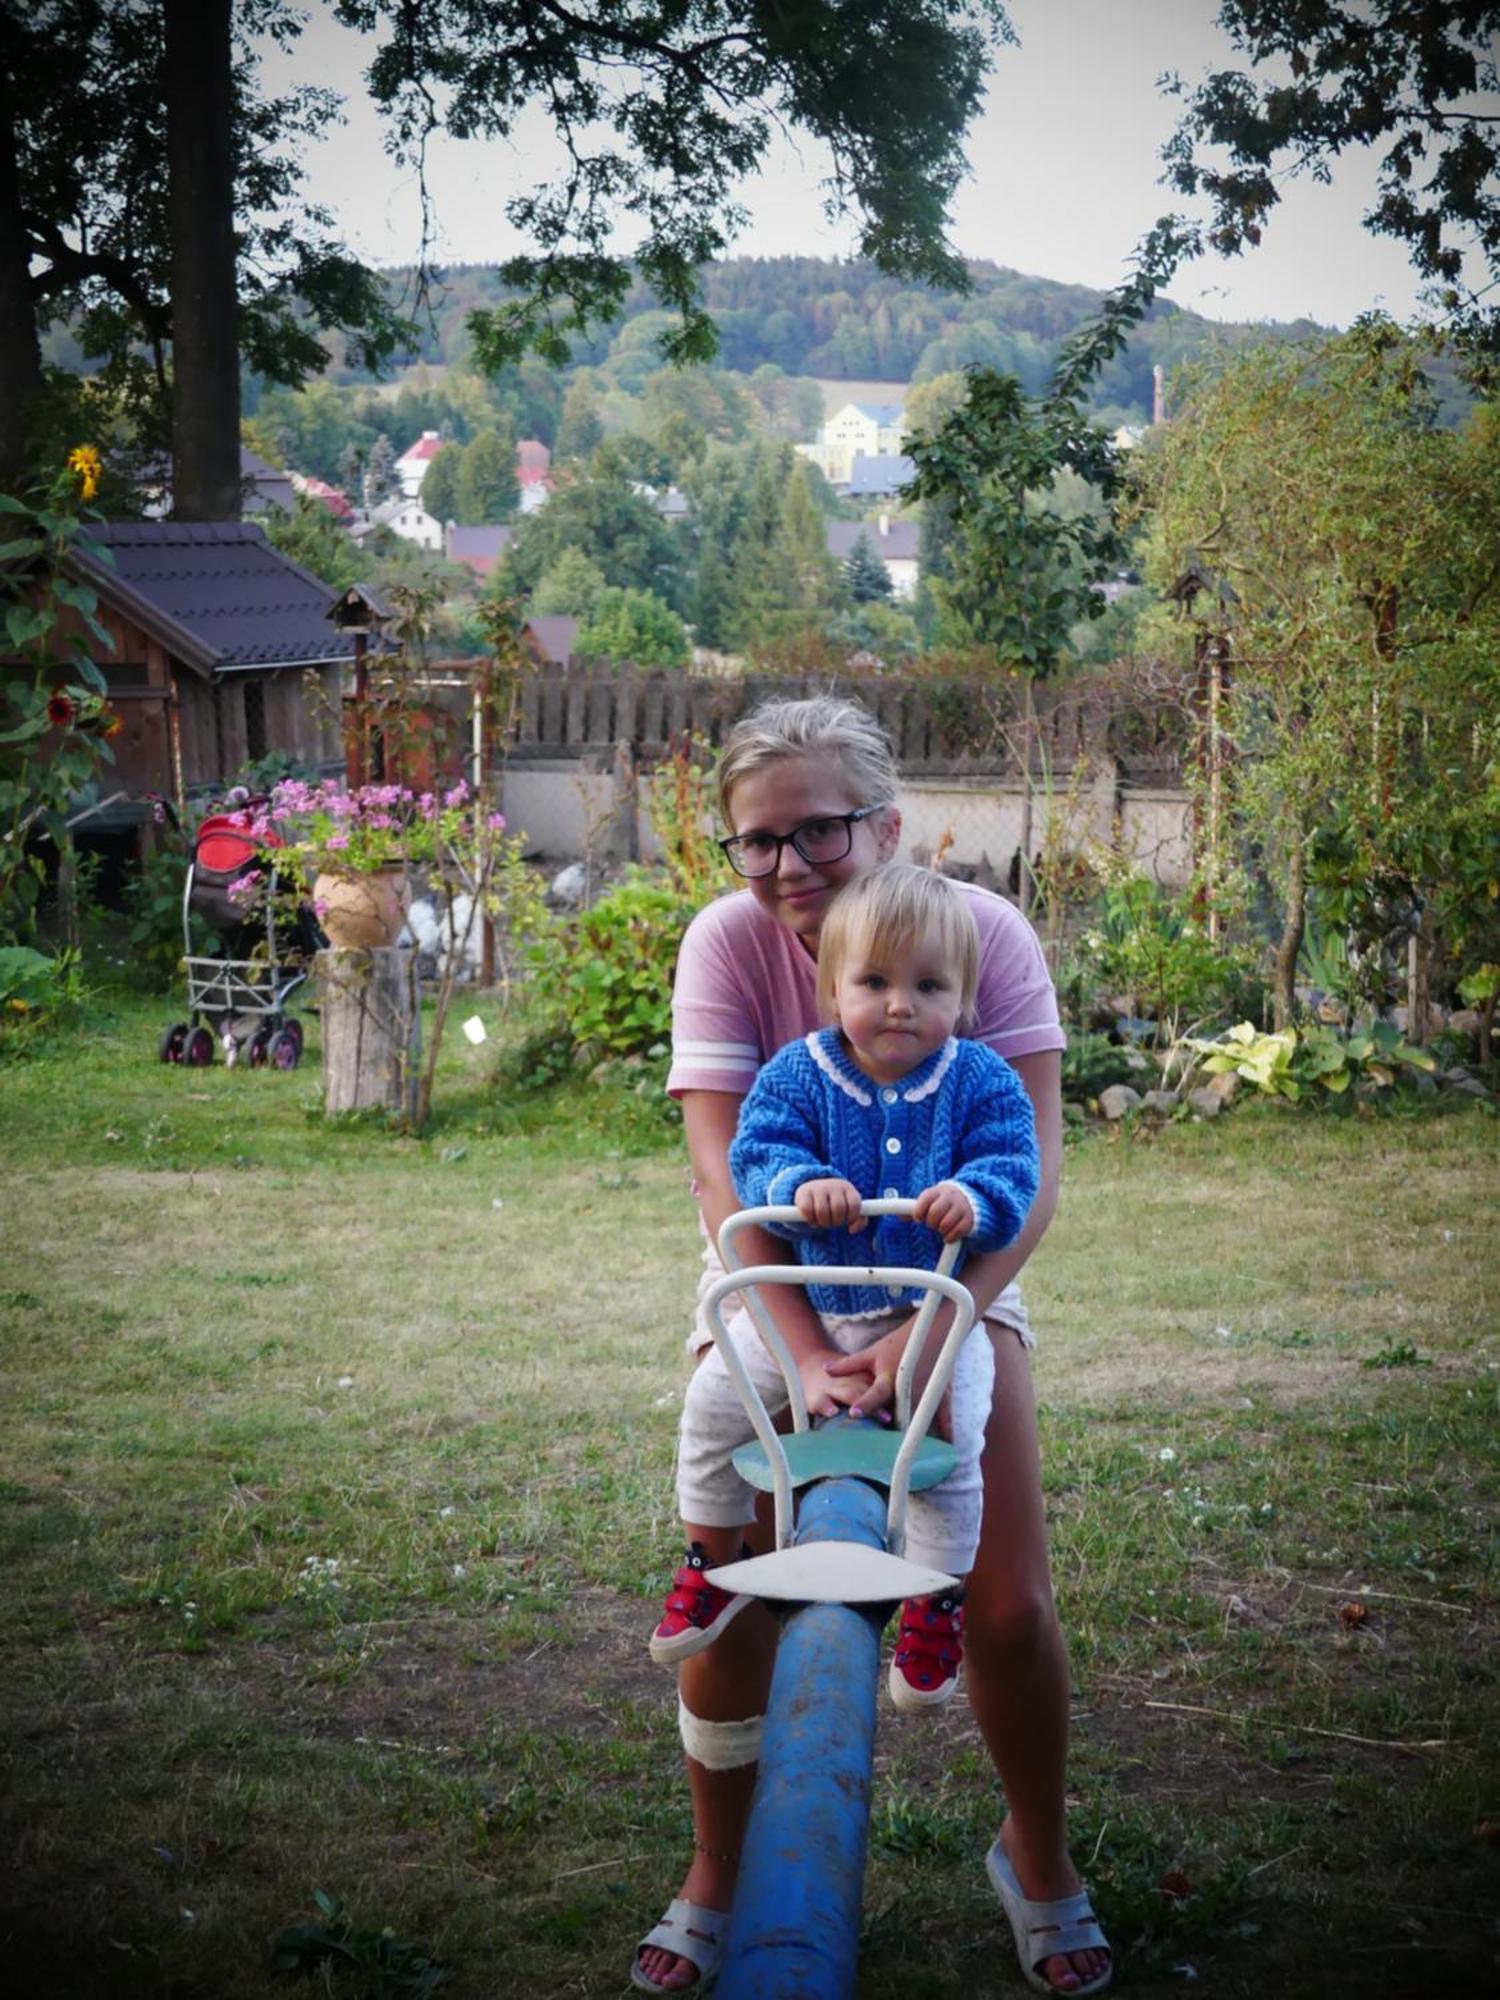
[(812, 1114)]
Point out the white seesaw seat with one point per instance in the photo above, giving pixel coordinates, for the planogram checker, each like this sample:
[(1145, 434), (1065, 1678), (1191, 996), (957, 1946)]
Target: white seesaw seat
[(830, 1573)]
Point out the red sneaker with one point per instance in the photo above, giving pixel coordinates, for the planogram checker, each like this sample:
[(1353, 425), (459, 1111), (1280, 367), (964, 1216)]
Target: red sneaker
[(696, 1611), (929, 1651)]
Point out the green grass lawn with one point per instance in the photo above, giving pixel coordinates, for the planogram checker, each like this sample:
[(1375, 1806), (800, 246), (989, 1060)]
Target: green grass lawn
[(335, 1498)]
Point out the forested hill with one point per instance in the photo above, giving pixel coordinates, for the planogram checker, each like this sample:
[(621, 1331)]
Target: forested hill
[(816, 316)]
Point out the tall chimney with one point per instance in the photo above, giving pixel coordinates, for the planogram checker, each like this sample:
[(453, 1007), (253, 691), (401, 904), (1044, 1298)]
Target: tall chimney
[(1158, 394)]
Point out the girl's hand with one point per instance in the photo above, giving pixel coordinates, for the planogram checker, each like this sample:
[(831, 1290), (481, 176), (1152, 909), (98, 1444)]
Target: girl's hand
[(947, 1209), (881, 1363), (827, 1393), (827, 1204)]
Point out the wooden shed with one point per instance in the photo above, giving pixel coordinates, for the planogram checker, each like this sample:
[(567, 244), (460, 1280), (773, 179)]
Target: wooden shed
[(224, 652)]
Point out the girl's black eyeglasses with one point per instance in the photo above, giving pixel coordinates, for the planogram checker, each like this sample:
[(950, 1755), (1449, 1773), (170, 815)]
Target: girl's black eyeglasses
[(829, 837)]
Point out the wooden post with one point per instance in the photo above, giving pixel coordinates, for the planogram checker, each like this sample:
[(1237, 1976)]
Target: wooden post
[(372, 1029)]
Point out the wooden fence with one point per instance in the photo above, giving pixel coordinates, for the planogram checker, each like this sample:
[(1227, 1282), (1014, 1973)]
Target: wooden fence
[(948, 729)]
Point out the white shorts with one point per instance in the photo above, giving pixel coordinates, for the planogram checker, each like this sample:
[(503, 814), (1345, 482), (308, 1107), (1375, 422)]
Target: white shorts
[(942, 1524), (1007, 1309)]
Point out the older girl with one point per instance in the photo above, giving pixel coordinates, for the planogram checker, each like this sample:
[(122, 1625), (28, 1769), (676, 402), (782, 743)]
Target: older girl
[(808, 790)]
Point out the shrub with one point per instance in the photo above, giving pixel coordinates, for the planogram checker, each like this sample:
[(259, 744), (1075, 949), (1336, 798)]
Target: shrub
[(36, 991), (153, 910), (1091, 1063), (614, 974)]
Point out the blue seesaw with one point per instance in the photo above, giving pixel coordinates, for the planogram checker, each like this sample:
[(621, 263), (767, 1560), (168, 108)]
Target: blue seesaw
[(836, 1575)]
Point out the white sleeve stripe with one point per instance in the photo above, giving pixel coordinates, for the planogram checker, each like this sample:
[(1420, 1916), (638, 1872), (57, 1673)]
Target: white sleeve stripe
[(745, 1051)]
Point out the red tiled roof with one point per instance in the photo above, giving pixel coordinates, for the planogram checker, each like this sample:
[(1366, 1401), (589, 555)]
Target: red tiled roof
[(428, 445)]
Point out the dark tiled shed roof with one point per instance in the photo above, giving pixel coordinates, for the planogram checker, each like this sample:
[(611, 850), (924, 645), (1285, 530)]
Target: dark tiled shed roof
[(217, 594)]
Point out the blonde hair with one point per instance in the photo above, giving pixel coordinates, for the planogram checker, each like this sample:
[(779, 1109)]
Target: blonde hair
[(890, 910), (821, 726)]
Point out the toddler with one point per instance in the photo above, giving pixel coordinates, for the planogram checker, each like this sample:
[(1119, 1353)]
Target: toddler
[(884, 1102)]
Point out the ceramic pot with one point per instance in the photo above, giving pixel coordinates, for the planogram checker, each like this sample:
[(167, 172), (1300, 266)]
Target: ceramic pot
[(361, 912)]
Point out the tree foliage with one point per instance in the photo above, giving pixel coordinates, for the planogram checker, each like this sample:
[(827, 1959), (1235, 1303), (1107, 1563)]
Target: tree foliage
[(85, 86), (635, 628), (866, 577), (1415, 78), (1308, 511), (1021, 564), (663, 110)]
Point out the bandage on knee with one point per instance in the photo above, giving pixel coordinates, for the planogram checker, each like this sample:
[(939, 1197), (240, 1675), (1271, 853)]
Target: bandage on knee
[(719, 1746)]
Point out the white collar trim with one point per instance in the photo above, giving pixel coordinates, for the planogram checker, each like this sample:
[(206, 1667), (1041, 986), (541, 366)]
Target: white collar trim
[(831, 1070), (944, 1063)]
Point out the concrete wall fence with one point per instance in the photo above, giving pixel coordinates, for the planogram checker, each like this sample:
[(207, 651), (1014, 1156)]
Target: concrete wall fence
[(1103, 770)]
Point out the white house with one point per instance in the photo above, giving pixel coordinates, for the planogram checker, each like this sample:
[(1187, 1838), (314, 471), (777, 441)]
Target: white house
[(411, 466), (869, 430), (407, 518)]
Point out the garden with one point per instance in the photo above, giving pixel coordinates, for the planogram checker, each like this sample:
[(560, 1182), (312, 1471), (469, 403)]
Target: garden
[(336, 1501)]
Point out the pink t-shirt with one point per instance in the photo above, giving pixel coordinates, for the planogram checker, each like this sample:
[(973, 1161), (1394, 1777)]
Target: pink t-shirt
[(745, 987)]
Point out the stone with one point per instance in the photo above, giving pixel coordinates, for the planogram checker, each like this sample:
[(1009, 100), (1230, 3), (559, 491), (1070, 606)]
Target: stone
[(569, 886), (1117, 1100), (1470, 1087), (1205, 1101), (1468, 1022), (1332, 1013), (1163, 1101), (1225, 1086)]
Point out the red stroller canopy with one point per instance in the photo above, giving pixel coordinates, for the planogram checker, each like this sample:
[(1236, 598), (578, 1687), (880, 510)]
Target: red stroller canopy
[(223, 845)]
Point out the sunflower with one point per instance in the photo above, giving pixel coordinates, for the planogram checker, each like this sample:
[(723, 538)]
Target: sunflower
[(84, 460), (61, 710)]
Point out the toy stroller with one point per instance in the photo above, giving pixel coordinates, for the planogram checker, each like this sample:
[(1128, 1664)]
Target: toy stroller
[(238, 1001)]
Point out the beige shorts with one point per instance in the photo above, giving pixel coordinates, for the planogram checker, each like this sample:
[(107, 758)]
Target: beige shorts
[(942, 1523)]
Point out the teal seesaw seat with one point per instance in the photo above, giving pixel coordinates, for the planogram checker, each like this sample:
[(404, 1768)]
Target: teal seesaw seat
[(860, 1449)]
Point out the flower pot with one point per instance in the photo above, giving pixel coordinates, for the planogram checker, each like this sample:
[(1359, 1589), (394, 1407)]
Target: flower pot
[(361, 912)]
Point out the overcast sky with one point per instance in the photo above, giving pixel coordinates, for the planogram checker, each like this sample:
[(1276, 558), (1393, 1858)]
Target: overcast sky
[(1064, 178)]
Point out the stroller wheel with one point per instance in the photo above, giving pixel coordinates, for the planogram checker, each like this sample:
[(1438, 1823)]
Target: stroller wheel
[(285, 1051), (293, 1027), (198, 1049), (259, 1049), (170, 1047)]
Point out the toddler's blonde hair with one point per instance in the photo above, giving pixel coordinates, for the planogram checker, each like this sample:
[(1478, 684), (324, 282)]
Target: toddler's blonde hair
[(889, 910), (821, 726)]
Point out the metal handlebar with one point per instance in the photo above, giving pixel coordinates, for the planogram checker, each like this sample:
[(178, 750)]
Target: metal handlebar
[(914, 1426)]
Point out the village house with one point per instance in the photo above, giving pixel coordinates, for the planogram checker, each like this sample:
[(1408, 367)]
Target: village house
[(533, 474), (217, 636), (478, 549), (867, 430), (897, 543), (411, 466)]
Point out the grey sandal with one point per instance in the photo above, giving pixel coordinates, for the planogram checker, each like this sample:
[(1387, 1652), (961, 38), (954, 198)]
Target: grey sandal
[(689, 1931), (1047, 1930)]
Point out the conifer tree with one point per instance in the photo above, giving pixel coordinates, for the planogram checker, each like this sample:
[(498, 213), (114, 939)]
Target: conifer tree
[(382, 482), (486, 489), (440, 484), (866, 577)]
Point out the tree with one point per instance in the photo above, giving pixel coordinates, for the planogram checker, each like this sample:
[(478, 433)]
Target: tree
[(486, 489), (600, 514), (1416, 77), (1022, 567), (581, 428), (440, 484), (810, 577), (634, 628), (382, 481), (352, 459), (1316, 521), (314, 537), (570, 588), (866, 577), (691, 92), (198, 89), (87, 223)]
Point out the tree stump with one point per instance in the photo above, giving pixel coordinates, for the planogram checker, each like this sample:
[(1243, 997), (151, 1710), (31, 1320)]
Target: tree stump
[(372, 1029)]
